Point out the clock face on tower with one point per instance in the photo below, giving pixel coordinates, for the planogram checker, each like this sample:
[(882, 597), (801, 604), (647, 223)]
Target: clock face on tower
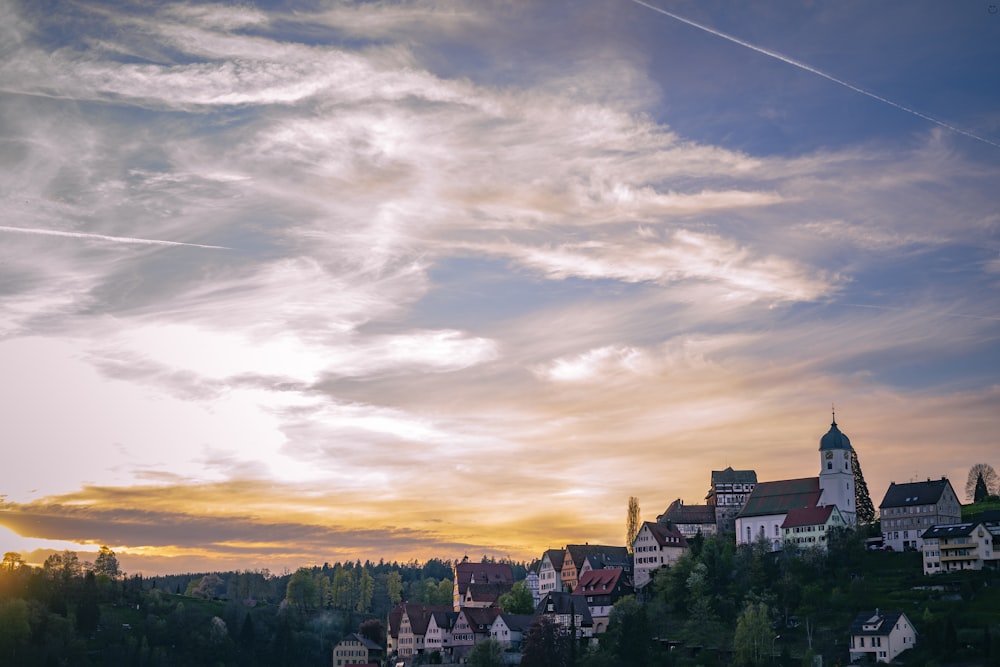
[(829, 455)]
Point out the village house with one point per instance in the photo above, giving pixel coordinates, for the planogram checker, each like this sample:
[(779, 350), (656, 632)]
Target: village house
[(550, 572), (509, 630), (809, 527), (961, 546), (690, 520), (471, 627), (881, 635), (656, 546), (355, 649), (907, 510), (602, 589), (439, 627), (480, 584), (569, 612)]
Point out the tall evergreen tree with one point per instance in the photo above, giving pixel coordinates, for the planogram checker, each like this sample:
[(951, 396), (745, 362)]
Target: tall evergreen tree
[(862, 500), (979, 495)]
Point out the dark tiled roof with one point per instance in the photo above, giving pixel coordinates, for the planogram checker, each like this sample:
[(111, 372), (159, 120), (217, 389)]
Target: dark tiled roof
[(666, 536), (914, 493), (807, 516), (604, 555), (556, 557), (364, 641), (444, 619), (564, 603), (950, 530), (420, 616), (882, 622), (678, 512), (482, 573), (730, 476), (486, 592), (781, 496), (480, 618), (517, 622)]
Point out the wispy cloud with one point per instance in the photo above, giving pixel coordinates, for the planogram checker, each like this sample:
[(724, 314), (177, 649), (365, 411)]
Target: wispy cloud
[(105, 237)]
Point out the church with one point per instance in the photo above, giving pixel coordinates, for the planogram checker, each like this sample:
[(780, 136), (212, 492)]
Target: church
[(766, 512)]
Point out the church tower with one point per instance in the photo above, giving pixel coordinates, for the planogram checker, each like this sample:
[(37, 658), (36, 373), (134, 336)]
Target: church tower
[(836, 476)]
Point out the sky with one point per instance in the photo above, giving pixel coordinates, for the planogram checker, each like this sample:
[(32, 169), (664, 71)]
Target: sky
[(285, 283)]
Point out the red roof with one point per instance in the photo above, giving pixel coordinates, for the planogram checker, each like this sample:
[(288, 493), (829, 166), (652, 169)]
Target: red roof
[(482, 573), (598, 581), (666, 536), (808, 516)]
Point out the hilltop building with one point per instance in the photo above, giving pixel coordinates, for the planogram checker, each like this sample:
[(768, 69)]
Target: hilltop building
[(769, 504), (960, 546), (907, 510), (727, 495)]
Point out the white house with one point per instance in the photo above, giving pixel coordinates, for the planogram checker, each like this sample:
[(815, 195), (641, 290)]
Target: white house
[(808, 528), (881, 635), (655, 546), (960, 546)]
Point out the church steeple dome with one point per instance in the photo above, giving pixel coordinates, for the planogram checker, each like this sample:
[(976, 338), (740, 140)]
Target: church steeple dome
[(834, 439)]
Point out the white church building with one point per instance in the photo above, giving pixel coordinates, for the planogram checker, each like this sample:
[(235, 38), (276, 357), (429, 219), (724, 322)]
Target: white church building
[(770, 502)]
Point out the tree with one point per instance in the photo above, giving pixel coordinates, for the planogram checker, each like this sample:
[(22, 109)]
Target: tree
[(487, 653), (373, 629), (302, 590), (862, 500), (632, 524), (990, 479), (544, 645), (12, 561), (107, 564), (394, 585), (518, 600), (752, 641), (628, 635), (981, 492)]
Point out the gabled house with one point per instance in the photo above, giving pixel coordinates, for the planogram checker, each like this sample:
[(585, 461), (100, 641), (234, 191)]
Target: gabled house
[(907, 510), (602, 589), (690, 520), (769, 504), (961, 546), (439, 627), (550, 571), (472, 625), (881, 635), (656, 546), (354, 649), (809, 527), (582, 557), (480, 584), (410, 628), (569, 612), (509, 629)]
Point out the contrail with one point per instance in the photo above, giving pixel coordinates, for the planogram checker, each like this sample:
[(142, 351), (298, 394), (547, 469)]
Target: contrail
[(791, 61), (104, 237)]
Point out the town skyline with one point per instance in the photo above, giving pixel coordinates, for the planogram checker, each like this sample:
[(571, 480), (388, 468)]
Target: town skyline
[(301, 282)]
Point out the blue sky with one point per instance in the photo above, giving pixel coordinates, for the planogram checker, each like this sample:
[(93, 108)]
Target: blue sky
[(285, 283)]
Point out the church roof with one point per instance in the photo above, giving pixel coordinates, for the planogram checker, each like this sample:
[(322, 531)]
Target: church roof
[(834, 439), (781, 496)]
